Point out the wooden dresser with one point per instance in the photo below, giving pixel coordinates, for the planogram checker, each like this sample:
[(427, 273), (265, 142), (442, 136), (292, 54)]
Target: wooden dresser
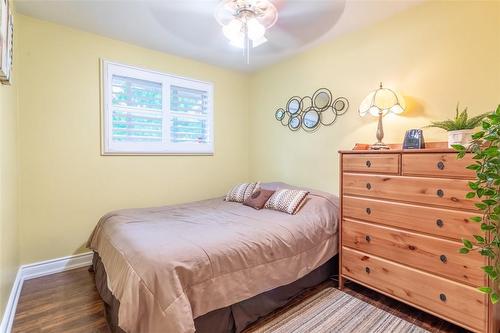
[(404, 213)]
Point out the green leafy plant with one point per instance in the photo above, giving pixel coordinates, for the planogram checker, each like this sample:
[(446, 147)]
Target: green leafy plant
[(460, 122), (486, 154)]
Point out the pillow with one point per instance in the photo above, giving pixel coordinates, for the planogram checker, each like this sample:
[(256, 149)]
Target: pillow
[(241, 192), (286, 200), (258, 198)]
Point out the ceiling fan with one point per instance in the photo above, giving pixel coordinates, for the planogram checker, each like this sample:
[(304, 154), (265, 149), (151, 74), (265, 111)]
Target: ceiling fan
[(245, 22)]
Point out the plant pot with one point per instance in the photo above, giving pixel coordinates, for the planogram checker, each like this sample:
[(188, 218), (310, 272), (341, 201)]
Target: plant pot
[(460, 137)]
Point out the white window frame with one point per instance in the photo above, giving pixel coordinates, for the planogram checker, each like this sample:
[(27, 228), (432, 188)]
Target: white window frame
[(108, 147)]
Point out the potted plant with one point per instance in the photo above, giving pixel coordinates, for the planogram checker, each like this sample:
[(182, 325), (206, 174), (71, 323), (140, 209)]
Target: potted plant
[(460, 128), (486, 187)]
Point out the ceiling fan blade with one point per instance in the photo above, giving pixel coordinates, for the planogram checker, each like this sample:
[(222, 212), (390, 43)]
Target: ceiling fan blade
[(185, 8), (304, 9), (280, 39)]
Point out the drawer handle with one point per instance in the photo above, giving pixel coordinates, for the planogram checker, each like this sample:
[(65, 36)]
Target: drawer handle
[(440, 165), (368, 163), (440, 193), (439, 223), (368, 238), (369, 186), (442, 297), (367, 270), (368, 211), (443, 258)]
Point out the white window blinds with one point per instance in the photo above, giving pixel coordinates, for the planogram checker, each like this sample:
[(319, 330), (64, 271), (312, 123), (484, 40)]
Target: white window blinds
[(147, 112), (189, 115), (137, 110)]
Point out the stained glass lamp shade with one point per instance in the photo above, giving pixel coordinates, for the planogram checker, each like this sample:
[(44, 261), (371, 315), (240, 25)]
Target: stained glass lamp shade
[(378, 103)]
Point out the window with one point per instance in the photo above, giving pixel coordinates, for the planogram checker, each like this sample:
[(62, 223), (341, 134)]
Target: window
[(146, 112)]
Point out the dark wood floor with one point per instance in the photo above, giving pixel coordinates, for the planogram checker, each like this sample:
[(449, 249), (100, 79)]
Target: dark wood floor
[(63, 302), (69, 302)]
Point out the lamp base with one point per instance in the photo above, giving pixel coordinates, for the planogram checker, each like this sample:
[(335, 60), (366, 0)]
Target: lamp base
[(379, 146)]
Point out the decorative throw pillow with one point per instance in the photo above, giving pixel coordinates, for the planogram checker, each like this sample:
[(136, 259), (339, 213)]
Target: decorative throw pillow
[(258, 198), (286, 200), (241, 191)]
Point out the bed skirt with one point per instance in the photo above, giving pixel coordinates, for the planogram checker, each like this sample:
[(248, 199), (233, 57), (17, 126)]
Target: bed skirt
[(234, 318)]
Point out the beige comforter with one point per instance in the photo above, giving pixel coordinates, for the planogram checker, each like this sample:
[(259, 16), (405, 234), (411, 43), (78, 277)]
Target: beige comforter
[(169, 265)]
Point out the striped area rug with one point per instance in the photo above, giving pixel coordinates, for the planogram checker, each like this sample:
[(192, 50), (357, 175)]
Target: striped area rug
[(332, 310)]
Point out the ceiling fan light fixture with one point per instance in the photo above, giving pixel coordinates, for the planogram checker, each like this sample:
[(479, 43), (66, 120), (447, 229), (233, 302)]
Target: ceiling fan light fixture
[(232, 31), (255, 30), (245, 22)]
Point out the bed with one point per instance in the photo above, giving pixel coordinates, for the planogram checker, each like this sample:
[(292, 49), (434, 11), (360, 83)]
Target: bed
[(212, 265)]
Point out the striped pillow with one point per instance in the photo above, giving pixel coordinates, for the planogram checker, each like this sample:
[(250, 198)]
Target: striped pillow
[(241, 192), (286, 200)]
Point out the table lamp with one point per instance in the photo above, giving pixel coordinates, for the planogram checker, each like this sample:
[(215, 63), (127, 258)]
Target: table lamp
[(378, 103)]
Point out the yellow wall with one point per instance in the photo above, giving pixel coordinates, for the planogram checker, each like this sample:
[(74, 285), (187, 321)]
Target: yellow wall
[(8, 190), (435, 54), (65, 185)]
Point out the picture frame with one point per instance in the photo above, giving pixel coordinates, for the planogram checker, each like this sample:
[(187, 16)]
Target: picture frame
[(3, 32), (6, 42)]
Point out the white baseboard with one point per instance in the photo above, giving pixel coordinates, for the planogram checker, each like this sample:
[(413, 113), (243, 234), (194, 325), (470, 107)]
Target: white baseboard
[(58, 265), (38, 269), (10, 307)]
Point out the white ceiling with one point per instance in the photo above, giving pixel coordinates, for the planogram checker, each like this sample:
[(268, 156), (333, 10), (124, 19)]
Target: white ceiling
[(188, 28)]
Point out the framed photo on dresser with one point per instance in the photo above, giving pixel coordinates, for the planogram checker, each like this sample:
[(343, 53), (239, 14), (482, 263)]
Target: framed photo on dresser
[(6, 42)]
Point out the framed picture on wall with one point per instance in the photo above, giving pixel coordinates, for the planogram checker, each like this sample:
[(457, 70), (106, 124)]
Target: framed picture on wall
[(6, 42), (4, 18)]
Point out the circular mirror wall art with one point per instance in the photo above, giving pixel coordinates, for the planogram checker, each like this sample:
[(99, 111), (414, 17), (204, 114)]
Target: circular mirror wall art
[(322, 99), (309, 112), (311, 119), (280, 113), (294, 123), (293, 105), (340, 105)]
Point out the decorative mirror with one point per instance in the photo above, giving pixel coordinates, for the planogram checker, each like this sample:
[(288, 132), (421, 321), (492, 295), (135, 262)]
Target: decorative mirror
[(280, 113), (293, 105), (311, 112), (322, 99), (294, 123), (340, 105), (311, 119)]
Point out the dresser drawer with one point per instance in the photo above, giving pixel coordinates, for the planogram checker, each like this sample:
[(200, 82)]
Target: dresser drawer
[(435, 221), (433, 191), (384, 163), (432, 254), (456, 302), (437, 165)]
